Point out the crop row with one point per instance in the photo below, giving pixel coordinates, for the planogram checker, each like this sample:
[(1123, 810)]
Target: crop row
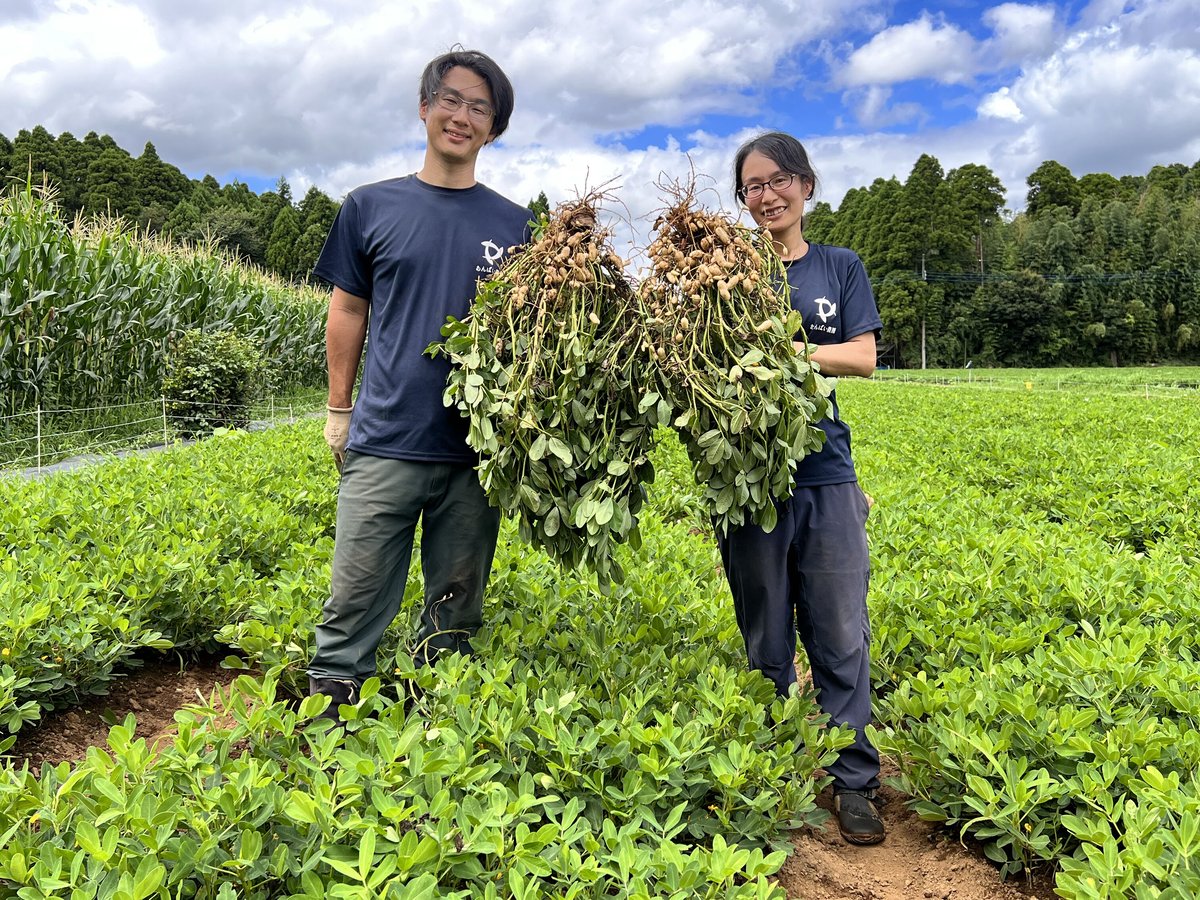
[(1034, 584), (1035, 592), (599, 746)]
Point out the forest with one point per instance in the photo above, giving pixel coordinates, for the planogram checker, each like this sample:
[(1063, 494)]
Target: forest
[(1095, 270), (96, 177)]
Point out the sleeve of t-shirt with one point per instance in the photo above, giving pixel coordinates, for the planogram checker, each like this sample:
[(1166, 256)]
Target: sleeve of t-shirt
[(343, 261), (859, 312)]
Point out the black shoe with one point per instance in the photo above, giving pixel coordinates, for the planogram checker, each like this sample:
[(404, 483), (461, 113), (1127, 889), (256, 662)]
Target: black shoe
[(338, 690), (858, 819)]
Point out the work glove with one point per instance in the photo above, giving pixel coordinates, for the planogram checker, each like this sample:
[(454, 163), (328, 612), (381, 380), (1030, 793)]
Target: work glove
[(337, 430)]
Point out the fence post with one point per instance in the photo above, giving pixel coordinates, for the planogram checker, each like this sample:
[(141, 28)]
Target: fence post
[(164, 410), (38, 428)]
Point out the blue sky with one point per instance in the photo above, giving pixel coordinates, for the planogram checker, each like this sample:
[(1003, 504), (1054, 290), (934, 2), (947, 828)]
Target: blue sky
[(624, 94)]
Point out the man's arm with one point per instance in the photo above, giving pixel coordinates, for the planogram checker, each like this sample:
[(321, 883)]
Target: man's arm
[(853, 357), (345, 335)]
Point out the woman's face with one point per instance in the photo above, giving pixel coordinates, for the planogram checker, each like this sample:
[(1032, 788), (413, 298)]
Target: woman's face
[(781, 211)]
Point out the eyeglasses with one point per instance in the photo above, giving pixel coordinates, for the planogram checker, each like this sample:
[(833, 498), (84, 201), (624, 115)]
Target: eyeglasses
[(452, 101), (778, 184)]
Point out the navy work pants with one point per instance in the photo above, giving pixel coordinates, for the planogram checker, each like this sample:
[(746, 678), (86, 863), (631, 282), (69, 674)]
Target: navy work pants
[(809, 576)]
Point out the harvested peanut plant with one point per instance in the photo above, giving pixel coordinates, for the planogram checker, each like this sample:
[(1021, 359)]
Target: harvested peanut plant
[(546, 372), (718, 333)]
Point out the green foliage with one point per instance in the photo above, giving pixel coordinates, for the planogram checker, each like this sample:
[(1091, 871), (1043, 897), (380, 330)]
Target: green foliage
[(1118, 258), (1035, 583), (547, 371), (86, 313), (282, 251), (210, 381), (1035, 586), (96, 177), (594, 747), (539, 206), (1051, 185), (106, 566)]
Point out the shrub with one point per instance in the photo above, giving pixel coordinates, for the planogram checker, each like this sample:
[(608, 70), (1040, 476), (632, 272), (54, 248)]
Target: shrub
[(211, 378)]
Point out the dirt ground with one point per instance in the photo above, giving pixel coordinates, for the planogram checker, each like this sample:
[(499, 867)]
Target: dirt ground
[(915, 862)]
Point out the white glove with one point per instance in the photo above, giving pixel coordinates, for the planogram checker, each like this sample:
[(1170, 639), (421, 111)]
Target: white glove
[(337, 430)]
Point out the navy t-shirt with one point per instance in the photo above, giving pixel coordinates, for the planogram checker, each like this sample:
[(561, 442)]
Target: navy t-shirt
[(414, 251), (830, 289)]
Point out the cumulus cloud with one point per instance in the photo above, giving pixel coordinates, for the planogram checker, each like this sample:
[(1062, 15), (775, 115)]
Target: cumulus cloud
[(1001, 105), (1021, 31), (325, 92), (925, 48), (1100, 104)]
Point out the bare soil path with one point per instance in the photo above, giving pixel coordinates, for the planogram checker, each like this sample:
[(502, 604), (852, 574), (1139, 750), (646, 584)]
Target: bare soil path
[(916, 862)]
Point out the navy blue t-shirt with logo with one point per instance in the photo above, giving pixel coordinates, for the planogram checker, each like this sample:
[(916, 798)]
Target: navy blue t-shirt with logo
[(414, 252), (829, 287)]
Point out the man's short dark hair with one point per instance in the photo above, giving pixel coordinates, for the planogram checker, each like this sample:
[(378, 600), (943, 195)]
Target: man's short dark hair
[(483, 66)]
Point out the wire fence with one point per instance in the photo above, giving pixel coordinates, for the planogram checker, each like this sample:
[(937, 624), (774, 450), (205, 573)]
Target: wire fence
[(35, 441)]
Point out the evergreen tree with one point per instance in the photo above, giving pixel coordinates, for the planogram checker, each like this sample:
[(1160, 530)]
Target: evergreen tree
[(282, 255), (5, 160), (183, 224), (317, 209), (539, 206), (76, 157), (1052, 185), (308, 250), (977, 196), (160, 187), (36, 156), (111, 187)]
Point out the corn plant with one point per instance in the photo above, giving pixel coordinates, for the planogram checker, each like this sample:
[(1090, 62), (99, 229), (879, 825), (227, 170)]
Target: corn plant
[(87, 310)]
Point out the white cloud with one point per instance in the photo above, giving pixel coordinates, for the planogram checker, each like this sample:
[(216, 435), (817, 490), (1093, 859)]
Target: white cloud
[(921, 49), (874, 108), (1099, 103), (325, 92), (1021, 31), (74, 32), (1001, 105)]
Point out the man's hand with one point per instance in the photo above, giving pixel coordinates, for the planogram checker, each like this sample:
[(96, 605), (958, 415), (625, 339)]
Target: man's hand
[(337, 430)]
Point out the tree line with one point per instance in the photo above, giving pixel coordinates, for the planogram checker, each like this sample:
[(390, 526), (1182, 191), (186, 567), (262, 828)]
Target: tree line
[(1095, 270), (96, 177)]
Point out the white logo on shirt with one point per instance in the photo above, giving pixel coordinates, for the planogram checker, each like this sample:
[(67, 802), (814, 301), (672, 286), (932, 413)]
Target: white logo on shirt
[(491, 252), (825, 309)]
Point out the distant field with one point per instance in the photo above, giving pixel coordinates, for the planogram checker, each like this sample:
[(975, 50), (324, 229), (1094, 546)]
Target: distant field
[(1152, 376)]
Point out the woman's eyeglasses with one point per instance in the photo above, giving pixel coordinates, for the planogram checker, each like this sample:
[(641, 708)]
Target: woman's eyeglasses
[(755, 190)]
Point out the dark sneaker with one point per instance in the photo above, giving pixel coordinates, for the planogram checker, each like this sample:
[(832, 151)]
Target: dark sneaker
[(858, 819), (338, 690)]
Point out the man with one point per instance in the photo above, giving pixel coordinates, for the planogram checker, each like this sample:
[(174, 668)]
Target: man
[(402, 255)]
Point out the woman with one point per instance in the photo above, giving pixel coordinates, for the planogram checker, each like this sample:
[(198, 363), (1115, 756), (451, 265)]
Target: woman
[(809, 574)]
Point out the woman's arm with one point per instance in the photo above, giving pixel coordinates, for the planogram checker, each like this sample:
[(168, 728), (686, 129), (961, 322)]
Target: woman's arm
[(853, 357)]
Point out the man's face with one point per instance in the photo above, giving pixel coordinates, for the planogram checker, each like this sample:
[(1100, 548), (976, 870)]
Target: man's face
[(458, 135)]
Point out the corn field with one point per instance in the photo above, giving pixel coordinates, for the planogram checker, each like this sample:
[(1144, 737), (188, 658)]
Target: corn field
[(88, 311)]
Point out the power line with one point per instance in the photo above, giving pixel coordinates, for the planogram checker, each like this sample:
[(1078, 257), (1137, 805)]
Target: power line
[(1075, 278)]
